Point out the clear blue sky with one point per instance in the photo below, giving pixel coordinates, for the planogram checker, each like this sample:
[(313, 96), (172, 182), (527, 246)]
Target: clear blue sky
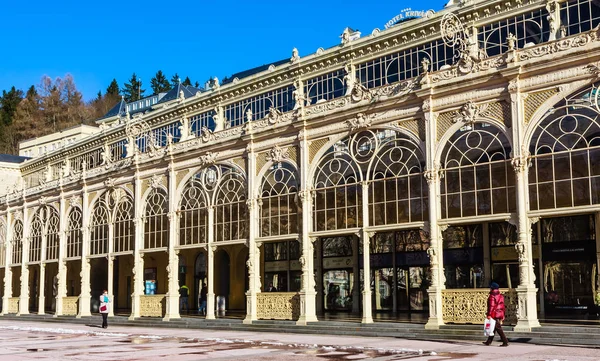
[(97, 41)]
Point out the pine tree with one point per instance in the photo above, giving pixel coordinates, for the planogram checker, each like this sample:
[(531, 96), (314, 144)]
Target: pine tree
[(8, 104), (175, 79), (159, 83), (196, 84), (133, 91), (187, 81), (113, 88)]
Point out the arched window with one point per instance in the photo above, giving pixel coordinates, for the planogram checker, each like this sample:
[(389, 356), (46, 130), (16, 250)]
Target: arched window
[(230, 205), (99, 226), (156, 222), (478, 179), (17, 243), (35, 235), (123, 225), (74, 233), (193, 216), (398, 193), (52, 232), (278, 201), (337, 201), (565, 149)]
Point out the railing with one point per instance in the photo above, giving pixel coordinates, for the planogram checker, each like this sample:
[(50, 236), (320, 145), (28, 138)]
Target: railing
[(470, 305), (152, 305), (278, 306), (13, 305), (70, 305)]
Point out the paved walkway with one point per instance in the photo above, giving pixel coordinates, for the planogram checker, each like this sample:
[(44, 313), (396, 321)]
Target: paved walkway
[(62, 341)]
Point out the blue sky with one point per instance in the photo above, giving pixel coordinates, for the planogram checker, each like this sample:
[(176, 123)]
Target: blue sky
[(97, 41)]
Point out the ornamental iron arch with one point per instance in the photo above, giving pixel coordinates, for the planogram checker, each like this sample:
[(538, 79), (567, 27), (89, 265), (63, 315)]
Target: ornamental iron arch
[(398, 192), (478, 178), (193, 215), (113, 210), (278, 200), (74, 233), (17, 242), (220, 187), (229, 200), (565, 153), (156, 222), (362, 157), (44, 231)]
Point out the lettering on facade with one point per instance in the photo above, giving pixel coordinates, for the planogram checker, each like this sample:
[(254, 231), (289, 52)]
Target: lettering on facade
[(409, 13)]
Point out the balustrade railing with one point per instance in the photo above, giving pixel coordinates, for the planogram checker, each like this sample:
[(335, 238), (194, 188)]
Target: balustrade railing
[(470, 305)]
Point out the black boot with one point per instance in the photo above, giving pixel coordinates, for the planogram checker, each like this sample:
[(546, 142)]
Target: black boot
[(489, 341)]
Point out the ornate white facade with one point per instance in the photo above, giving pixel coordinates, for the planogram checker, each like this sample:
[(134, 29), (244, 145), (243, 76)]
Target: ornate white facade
[(454, 140)]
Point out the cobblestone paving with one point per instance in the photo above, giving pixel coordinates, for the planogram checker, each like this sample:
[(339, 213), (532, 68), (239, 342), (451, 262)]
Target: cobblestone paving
[(44, 341)]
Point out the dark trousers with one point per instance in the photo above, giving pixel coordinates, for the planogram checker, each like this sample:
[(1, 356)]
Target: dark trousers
[(500, 331), (183, 302), (104, 320)]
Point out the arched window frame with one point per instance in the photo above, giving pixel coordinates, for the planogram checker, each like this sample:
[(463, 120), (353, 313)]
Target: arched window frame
[(124, 229), (278, 201), (156, 221), (74, 233), (565, 153), (231, 212), (397, 182), (100, 221), (478, 176), (17, 243), (193, 212), (52, 235)]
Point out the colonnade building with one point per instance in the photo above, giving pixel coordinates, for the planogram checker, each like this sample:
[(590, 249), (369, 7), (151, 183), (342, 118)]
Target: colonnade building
[(396, 173)]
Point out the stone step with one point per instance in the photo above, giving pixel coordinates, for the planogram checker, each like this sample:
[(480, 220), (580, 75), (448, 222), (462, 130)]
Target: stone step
[(563, 335)]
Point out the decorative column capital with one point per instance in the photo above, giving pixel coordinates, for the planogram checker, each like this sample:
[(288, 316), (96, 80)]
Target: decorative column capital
[(434, 174), (522, 161)]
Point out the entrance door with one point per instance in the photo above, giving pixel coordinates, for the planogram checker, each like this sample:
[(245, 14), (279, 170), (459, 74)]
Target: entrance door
[(412, 284), (383, 289), (338, 285)]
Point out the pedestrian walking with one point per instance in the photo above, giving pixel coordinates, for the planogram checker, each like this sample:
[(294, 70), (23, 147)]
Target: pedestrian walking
[(104, 301), (184, 293), (203, 294), (495, 310)]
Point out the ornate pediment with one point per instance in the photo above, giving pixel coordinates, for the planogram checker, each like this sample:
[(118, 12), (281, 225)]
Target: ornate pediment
[(469, 112), (208, 159), (278, 154), (362, 120)]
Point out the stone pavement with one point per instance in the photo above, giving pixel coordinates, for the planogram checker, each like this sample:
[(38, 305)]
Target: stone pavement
[(61, 341)]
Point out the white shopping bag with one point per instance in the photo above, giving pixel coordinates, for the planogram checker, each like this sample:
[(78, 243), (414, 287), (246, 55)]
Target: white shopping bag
[(488, 327)]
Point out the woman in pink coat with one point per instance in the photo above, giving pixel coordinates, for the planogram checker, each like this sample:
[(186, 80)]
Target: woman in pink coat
[(495, 310)]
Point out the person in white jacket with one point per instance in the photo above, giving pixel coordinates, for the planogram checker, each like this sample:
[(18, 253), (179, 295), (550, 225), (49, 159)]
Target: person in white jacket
[(104, 301)]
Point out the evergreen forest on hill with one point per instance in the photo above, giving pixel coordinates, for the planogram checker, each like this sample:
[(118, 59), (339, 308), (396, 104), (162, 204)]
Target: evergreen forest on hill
[(56, 104)]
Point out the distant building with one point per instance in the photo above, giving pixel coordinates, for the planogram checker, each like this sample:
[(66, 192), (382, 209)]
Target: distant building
[(10, 172), (39, 146)]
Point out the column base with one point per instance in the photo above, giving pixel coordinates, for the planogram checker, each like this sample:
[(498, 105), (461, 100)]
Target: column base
[(436, 316), (434, 323), (308, 305), (526, 309), (172, 316), (526, 325), (367, 309)]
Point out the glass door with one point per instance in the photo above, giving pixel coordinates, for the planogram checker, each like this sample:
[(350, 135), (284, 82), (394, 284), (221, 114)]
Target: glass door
[(402, 289), (338, 286), (418, 284), (382, 283)]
